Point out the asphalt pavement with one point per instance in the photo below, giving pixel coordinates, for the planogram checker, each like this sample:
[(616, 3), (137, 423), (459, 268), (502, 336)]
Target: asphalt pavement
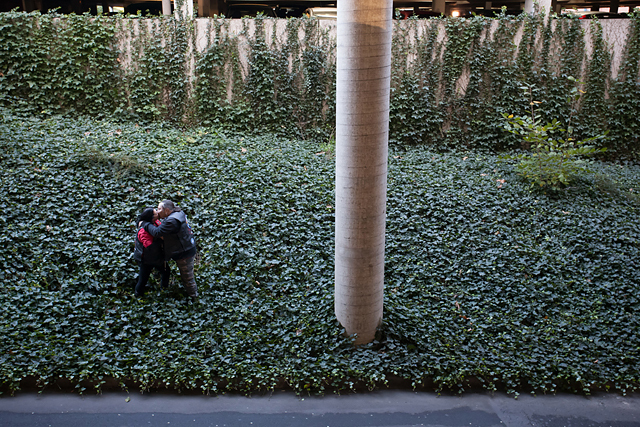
[(389, 408)]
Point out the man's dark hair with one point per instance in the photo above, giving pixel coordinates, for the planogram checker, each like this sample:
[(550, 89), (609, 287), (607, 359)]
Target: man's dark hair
[(168, 204)]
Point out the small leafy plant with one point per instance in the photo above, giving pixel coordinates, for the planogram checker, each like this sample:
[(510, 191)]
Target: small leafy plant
[(329, 146), (556, 157)]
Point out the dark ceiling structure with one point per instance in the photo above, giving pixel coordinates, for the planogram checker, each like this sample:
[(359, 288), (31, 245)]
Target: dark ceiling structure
[(464, 7)]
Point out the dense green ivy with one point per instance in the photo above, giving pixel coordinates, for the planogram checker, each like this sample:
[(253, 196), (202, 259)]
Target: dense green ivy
[(485, 279), (59, 65), (155, 80), (452, 78), (413, 115), (217, 68)]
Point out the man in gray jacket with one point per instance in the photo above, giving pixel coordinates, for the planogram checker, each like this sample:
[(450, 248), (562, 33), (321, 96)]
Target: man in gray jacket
[(179, 242)]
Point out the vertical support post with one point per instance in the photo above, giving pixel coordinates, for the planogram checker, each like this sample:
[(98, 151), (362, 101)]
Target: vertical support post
[(218, 7), (613, 6), (28, 5), (439, 6), (528, 6), (204, 8), (166, 7), (362, 135)]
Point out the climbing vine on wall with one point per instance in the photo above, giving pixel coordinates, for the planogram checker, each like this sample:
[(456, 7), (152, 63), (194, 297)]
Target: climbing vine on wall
[(216, 70), (451, 78), (56, 65), (625, 95), (157, 77)]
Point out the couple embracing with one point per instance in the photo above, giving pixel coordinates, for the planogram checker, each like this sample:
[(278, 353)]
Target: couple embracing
[(158, 242)]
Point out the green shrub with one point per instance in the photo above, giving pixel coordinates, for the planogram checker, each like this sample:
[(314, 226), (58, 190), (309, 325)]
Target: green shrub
[(556, 157)]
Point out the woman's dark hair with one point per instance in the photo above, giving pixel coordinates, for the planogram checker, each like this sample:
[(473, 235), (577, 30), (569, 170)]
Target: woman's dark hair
[(146, 215)]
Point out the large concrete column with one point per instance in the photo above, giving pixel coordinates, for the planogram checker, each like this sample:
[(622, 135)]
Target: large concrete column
[(362, 133), (166, 7)]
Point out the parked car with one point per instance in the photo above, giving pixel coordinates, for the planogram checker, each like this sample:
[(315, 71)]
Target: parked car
[(322, 13), (240, 10), (591, 14)]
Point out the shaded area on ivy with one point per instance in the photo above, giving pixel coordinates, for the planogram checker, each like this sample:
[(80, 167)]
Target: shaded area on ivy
[(484, 279)]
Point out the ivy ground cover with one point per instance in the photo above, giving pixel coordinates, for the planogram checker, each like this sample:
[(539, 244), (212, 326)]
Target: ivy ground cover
[(487, 281)]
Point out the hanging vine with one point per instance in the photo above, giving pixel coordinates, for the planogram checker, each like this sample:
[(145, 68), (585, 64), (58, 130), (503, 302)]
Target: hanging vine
[(215, 71), (625, 97), (451, 78)]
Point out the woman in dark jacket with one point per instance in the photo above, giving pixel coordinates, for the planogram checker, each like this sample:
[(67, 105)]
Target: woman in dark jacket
[(149, 253)]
